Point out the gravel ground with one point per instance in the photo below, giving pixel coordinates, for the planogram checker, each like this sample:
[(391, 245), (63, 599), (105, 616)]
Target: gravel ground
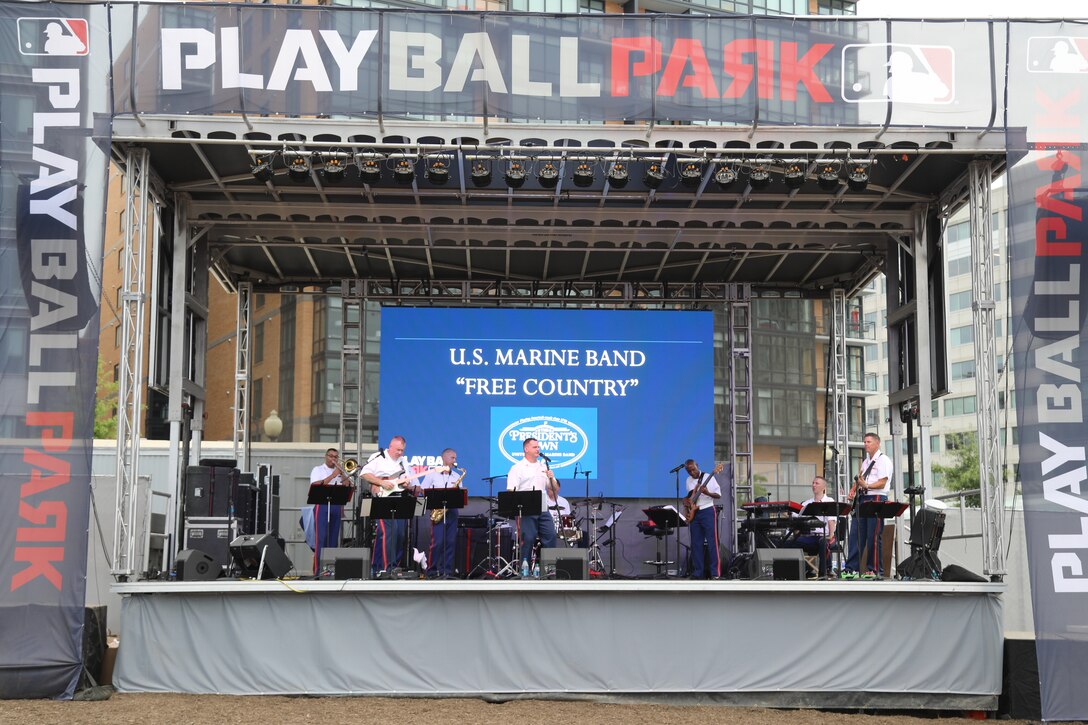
[(224, 710)]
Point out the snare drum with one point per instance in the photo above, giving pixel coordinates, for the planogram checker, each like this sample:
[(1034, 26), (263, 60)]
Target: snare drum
[(568, 529)]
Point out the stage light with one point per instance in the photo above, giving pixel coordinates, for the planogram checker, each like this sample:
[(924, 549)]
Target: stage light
[(515, 174), (794, 174), (583, 174), (618, 175), (654, 175), (370, 171), (404, 172), (299, 169), (548, 175), (332, 171), (438, 172), (759, 176), (725, 176), (480, 172), (857, 176), (827, 176), (691, 173), (261, 168)]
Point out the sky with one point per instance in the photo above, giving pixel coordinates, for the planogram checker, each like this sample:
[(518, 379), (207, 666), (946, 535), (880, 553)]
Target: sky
[(972, 8)]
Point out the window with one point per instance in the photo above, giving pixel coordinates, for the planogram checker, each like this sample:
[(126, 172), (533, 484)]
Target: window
[(787, 454), (961, 335), (872, 419), (116, 373), (117, 335), (959, 301), (959, 406), (934, 444), (962, 370), (957, 441), (258, 343), (260, 299), (959, 266)]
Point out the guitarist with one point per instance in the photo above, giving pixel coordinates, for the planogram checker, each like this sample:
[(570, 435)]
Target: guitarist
[(872, 484), (703, 491), (387, 472)]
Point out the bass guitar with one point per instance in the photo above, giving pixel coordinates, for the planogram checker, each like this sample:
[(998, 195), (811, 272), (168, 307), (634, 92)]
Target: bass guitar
[(692, 498), (401, 482)]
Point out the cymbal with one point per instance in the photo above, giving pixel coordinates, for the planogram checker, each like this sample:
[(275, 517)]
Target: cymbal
[(592, 499)]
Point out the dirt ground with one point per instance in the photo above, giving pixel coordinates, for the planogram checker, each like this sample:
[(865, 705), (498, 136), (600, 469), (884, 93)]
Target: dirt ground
[(224, 710)]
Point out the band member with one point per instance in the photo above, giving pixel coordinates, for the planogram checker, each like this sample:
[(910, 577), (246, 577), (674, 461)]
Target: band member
[(531, 474), (387, 471), (818, 542), (326, 519), (444, 532), (704, 527), (872, 484)]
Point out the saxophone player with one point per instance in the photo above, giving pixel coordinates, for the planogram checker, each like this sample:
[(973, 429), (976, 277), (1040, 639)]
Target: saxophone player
[(443, 531)]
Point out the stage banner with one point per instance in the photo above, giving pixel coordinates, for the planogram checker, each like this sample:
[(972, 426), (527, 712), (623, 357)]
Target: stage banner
[(274, 59), (53, 169), (1047, 147)]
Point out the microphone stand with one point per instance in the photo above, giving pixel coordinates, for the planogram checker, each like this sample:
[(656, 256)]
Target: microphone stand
[(589, 530), (676, 473), (491, 527)]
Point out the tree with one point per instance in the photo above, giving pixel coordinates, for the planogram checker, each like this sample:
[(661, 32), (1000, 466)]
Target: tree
[(105, 404), (963, 474)]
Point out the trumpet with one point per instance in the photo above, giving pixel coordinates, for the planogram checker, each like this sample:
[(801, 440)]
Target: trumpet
[(438, 514)]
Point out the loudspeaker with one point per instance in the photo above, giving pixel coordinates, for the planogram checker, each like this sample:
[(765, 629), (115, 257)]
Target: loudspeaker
[(345, 563), (193, 565), (956, 573), (247, 550), (780, 564), (927, 528), (565, 563)]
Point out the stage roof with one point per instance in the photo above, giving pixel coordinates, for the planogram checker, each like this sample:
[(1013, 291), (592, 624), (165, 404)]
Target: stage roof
[(282, 235)]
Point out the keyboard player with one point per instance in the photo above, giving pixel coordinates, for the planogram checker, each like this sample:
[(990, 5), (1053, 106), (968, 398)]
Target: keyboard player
[(818, 542)]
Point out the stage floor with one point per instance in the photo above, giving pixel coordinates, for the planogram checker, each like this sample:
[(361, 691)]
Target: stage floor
[(861, 644)]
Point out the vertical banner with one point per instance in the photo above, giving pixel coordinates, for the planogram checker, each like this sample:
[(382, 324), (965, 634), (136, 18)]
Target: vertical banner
[(1047, 147), (52, 186)]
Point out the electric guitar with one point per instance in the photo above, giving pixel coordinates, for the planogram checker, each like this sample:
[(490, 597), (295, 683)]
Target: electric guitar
[(401, 481), (692, 498)]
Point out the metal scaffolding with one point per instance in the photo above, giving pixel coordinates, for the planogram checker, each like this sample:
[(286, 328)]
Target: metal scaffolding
[(242, 374), (839, 400), (739, 349)]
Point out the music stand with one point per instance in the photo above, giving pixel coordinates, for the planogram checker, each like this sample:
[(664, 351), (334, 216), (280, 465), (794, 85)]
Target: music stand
[(838, 509), (515, 504), (442, 499), (322, 494), (617, 511), (667, 518), (398, 508)]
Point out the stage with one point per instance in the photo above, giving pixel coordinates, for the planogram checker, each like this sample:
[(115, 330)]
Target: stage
[(855, 644)]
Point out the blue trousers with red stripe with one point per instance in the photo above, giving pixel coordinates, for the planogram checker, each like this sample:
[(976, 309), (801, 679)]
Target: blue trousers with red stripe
[(866, 533), (443, 545), (704, 540), (389, 540)]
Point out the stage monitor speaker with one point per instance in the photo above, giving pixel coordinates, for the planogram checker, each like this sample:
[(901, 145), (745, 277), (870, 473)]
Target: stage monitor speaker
[(565, 563), (780, 564), (927, 529), (246, 551), (956, 573), (194, 565), (345, 563)]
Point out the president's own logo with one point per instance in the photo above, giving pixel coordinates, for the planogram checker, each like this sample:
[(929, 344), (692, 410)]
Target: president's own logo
[(561, 439)]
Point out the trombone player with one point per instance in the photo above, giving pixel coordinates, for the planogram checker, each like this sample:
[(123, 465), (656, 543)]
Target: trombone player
[(324, 529), (440, 556)]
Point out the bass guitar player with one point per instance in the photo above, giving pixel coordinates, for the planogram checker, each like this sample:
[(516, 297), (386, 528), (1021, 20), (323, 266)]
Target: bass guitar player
[(702, 517)]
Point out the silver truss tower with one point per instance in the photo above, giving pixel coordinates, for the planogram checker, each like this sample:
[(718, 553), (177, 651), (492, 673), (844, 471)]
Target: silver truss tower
[(739, 349), (983, 306), (351, 367), (243, 373), (839, 401)]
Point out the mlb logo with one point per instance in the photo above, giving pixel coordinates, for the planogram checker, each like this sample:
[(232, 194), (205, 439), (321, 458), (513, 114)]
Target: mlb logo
[(53, 36), (1057, 54), (898, 72)]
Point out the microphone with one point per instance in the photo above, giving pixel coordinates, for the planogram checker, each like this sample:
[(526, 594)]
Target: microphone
[(545, 458), (677, 468), (576, 470)]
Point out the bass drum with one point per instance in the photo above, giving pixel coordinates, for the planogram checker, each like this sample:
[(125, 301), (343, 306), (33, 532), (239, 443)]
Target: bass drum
[(569, 532)]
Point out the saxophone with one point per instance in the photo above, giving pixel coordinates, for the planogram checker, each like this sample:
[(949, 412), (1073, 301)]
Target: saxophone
[(438, 514)]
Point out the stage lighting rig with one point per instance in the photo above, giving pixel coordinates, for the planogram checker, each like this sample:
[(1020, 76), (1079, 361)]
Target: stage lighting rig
[(438, 171), (691, 172), (827, 175), (653, 175), (370, 170), (725, 176), (759, 176), (583, 174), (857, 175), (333, 170), (261, 168), (480, 172), (548, 175), (298, 168), (515, 174), (618, 175), (404, 172), (794, 173)]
